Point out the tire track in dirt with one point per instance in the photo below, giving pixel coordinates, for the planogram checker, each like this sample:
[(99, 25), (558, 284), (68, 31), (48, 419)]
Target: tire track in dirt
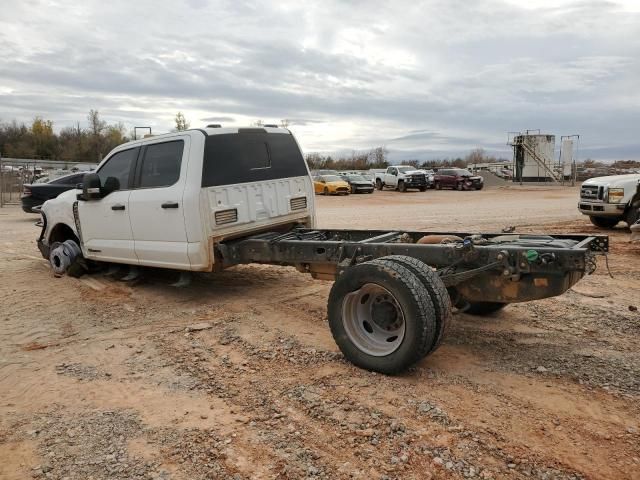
[(283, 371)]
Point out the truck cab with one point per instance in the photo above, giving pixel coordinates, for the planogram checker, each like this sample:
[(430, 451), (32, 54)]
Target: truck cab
[(402, 177), (164, 201), (611, 199)]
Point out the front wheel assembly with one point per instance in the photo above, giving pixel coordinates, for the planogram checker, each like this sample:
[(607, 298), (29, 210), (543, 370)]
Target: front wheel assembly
[(64, 257)]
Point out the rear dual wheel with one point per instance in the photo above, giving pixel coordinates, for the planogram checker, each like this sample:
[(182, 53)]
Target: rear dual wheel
[(387, 314)]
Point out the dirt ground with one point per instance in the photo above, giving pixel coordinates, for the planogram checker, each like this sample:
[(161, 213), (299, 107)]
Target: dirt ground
[(238, 377)]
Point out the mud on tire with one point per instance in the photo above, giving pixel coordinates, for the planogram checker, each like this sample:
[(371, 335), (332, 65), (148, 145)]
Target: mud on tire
[(381, 316)]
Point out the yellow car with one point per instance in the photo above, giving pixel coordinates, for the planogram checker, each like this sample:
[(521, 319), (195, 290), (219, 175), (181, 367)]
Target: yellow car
[(330, 185)]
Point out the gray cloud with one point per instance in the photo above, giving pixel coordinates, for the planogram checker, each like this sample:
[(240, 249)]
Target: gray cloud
[(218, 119), (426, 78)]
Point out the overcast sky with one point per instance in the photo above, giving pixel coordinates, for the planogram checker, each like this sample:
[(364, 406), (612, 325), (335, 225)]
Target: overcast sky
[(426, 78)]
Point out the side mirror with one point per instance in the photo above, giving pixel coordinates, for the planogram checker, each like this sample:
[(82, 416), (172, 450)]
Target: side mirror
[(91, 187), (111, 184)]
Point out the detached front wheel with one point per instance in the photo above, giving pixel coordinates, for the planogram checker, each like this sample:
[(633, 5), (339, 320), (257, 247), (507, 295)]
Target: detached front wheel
[(381, 316)]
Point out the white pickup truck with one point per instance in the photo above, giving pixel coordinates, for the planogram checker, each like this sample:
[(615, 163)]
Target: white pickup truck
[(402, 177), (210, 199), (611, 199)]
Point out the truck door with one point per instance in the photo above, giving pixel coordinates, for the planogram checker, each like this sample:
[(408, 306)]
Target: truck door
[(157, 210), (104, 223), (391, 177)]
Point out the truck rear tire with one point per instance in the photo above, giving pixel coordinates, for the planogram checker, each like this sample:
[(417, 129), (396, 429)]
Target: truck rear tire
[(604, 222), (437, 292), (381, 316), (484, 308)]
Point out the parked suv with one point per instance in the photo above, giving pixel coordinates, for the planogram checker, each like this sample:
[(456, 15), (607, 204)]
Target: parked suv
[(458, 178)]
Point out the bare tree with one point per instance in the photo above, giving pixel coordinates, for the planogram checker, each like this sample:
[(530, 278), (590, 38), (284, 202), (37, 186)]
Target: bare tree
[(181, 122), (284, 123), (475, 156), (96, 127)]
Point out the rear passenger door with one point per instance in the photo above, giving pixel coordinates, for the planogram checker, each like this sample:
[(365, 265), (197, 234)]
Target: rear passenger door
[(447, 179), (156, 204)]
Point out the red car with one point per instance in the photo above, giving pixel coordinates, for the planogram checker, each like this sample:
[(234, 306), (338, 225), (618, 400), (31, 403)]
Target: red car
[(458, 178)]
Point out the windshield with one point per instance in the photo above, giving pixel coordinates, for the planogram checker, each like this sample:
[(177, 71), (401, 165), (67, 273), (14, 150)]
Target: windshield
[(405, 169), (462, 171), (367, 176), (331, 178), (355, 178)]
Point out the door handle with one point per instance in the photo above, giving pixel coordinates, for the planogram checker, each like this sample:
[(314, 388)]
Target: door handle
[(117, 206), (170, 205)]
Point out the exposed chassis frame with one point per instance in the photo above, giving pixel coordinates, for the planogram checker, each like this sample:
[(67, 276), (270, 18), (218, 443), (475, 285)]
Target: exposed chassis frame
[(479, 270)]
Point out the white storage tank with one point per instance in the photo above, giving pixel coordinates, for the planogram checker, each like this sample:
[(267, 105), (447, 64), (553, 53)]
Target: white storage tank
[(533, 157)]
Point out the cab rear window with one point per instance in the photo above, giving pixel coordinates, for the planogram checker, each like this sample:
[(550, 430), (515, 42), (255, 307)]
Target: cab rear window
[(251, 156)]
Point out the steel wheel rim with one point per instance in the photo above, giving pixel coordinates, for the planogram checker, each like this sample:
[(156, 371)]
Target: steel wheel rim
[(373, 320)]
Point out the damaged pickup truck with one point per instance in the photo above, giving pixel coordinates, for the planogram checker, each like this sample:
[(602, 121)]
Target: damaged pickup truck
[(206, 200)]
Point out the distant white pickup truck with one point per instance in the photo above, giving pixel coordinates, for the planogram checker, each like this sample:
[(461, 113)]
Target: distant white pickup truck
[(402, 177), (611, 199)]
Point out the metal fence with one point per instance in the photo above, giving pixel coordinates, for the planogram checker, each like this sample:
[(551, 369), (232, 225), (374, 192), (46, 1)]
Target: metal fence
[(16, 172)]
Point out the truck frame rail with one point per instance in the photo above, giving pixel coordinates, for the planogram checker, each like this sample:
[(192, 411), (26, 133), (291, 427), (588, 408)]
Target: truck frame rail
[(484, 267)]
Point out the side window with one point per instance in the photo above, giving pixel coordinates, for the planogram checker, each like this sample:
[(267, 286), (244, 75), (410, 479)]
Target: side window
[(161, 164), (74, 180), (119, 167), (61, 181)]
